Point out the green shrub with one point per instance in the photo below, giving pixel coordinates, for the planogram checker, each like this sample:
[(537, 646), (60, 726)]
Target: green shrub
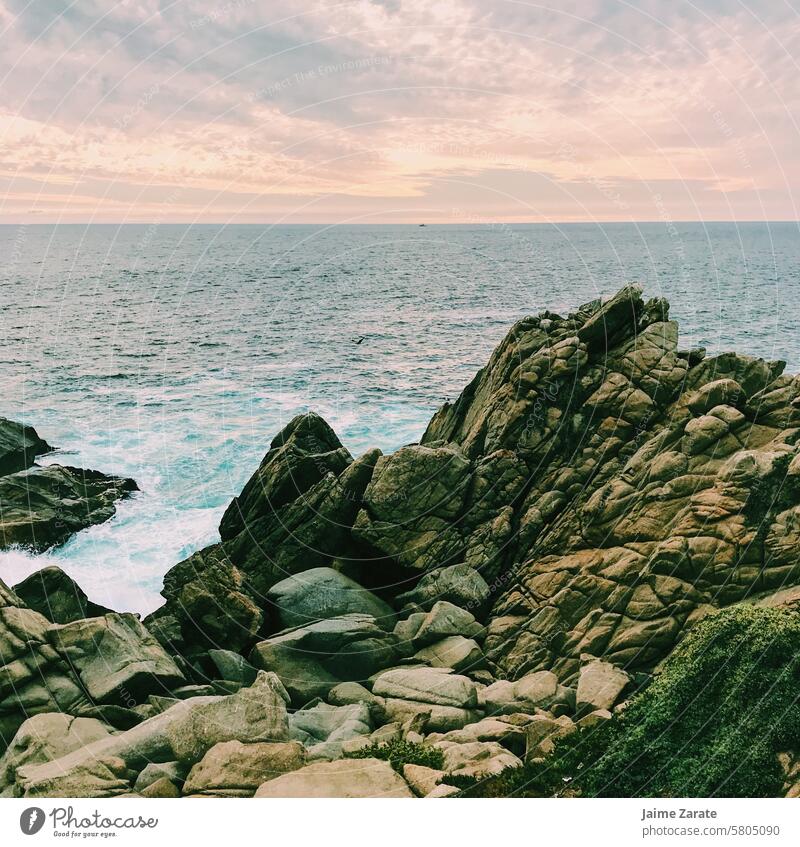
[(709, 725), (398, 753), (712, 722)]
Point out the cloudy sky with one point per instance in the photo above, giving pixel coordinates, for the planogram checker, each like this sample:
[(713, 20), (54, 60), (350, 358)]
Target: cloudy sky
[(378, 111)]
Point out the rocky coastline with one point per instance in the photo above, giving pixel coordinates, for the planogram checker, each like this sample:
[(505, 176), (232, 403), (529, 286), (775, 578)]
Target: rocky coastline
[(465, 615)]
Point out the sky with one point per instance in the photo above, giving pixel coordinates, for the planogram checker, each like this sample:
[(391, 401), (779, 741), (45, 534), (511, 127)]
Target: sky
[(395, 111)]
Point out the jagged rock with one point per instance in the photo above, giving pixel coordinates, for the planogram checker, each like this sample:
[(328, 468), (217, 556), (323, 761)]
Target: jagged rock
[(19, 446), (311, 660), (456, 652), (323, 728), (599, 687), (628, 512), (428, 685), (233, 769), (57, 596), (116, 658), (295, 514), (183, 733), (43, 507), (460, 585), (410, 505), (207, 604), (304, 452), (43, 738), (322, 593), (342, 778)]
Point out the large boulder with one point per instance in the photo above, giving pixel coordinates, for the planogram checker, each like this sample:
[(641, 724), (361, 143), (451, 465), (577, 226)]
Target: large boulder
[(342, 778), (443, 620), (459, 585), (233, 769), (207, 605), (43, 738), (19, 446), (57, 596), (34, 677), (476, 758), (182, 733), (509, 732), (537, 690), (428, 685), (321, 593), (456, 652), (311, 660), (323, 728), (412, 505), (600, 685), (43, 507), (116, 658)]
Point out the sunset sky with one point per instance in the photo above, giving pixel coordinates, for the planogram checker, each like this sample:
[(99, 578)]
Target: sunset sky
[(381, 111)]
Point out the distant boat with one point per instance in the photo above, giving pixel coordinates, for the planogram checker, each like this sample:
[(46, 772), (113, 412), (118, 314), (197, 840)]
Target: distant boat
[(422, 224)]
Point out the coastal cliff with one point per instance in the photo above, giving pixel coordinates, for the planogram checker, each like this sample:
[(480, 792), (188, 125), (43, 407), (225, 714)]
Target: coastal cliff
[(537, 577)]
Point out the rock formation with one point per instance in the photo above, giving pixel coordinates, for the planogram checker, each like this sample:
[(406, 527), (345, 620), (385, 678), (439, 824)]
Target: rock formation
[(41, 507), (594, 492)]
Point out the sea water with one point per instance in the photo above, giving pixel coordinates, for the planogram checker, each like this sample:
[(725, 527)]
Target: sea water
[(174, 353)]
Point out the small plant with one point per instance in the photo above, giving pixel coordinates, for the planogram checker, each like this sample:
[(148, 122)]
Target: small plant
[(548, 778), (399, 752)]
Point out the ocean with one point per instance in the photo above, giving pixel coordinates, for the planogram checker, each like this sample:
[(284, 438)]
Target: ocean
[(174, 353)]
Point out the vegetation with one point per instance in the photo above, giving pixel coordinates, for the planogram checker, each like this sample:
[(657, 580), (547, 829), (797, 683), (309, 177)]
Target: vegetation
[(710, 724), (398, 753)]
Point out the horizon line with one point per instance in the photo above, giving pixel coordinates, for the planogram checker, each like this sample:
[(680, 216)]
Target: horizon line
[(669, 222)]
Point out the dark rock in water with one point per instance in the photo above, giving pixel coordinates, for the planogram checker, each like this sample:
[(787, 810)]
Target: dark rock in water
[(43, 507), (57, 596), (19, 446)]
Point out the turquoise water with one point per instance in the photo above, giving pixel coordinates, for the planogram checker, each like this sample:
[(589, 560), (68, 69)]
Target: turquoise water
[(173, 354)]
